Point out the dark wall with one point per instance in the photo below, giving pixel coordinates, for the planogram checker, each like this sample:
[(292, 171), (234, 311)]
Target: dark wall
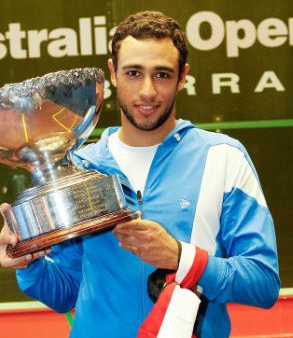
[(237, 76)]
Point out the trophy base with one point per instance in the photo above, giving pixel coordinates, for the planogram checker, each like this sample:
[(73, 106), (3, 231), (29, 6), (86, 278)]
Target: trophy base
[(46, 240)]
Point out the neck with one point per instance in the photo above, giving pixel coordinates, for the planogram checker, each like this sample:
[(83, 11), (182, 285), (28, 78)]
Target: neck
[(135, 137)]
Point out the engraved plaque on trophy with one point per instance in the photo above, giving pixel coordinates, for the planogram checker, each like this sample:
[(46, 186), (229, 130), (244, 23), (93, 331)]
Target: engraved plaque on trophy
[(42, 121)]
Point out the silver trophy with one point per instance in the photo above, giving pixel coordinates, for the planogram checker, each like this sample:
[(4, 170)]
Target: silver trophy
[(42, 120)]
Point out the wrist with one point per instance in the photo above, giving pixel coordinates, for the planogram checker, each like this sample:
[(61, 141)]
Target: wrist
[(179, 245)]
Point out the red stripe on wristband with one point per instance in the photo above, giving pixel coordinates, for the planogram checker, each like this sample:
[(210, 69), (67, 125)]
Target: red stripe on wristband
[(196, 270)]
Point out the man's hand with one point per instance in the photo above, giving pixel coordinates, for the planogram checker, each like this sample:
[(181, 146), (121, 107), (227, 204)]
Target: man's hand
[(149, 241), (8, 238)]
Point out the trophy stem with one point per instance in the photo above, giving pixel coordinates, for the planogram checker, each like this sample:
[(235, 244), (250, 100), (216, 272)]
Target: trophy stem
[(53, 172)]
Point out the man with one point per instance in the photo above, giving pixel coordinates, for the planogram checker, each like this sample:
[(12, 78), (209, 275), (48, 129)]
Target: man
[(203, 213)]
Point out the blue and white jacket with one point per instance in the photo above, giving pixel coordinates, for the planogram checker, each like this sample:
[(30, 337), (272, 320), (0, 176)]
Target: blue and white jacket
[(203, 189)]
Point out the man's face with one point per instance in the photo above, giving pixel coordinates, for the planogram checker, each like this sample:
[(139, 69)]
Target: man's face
[(147, 80)]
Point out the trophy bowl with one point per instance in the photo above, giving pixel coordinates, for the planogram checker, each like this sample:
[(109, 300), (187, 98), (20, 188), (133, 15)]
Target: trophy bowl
[(42, 121)]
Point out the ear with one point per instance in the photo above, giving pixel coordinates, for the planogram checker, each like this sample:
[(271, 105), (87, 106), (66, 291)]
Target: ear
[(112, 72), (182, 76)]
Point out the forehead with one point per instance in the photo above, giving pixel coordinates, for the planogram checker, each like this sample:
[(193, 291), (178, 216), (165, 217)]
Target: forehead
[(148, 52)]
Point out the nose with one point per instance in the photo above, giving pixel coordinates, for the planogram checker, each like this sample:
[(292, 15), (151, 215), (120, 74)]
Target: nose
[(147, 88)]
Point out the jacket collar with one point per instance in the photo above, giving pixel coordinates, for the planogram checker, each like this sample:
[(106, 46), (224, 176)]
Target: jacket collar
[(99, 155)]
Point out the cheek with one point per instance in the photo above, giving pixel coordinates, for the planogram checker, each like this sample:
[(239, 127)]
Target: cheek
[(123, 91), (126, 86), (125, 94), (168, 93)]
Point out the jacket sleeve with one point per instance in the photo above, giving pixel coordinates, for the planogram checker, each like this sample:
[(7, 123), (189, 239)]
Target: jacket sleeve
[(54, 279), (242, 262), (248, 271)]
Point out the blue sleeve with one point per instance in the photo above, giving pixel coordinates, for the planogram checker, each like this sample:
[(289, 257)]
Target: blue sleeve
[(245, 267), (54, 279)]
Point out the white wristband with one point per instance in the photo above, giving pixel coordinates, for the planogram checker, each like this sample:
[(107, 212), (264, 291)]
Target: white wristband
[(187, 257)]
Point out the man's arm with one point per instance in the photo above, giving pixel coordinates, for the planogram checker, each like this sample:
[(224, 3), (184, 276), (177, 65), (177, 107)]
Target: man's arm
[(51, 276), (55, 278)]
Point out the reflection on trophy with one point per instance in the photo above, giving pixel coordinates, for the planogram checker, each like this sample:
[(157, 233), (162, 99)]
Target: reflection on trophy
[(42, 120)]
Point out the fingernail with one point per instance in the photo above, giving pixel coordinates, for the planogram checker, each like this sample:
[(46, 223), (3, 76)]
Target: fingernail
[(28, 257)]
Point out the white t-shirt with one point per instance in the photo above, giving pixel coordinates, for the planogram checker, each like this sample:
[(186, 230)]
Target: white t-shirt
[(135, 162)]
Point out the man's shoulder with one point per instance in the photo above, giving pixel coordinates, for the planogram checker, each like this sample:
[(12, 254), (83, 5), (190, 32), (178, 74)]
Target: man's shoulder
[(211, 138)]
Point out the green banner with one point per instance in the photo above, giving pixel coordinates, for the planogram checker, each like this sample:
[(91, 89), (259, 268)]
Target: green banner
[(240, 52)]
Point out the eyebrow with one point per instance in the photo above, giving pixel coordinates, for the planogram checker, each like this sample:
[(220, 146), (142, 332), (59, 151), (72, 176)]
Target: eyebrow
[(157, 68)]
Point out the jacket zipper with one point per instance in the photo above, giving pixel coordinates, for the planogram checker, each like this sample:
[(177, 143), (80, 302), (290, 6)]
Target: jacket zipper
[(140, 201)]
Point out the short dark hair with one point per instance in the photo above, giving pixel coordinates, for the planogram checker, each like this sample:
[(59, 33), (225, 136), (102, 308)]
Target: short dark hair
[(150, 24)]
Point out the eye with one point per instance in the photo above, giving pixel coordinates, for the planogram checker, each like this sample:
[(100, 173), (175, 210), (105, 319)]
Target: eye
[(162, 75), (133, 73)]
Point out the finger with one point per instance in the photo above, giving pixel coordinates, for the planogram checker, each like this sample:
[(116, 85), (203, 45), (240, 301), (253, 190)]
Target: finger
[(47, 251), (130, 222), (4, 207), (24, 261), (132, 248), (125, 240), (7, 237), (128, 242), (37, 255), (16, 263), (125, 228), (137, 224)]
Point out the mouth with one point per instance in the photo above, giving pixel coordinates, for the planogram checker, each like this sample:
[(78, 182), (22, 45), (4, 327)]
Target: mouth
[(147, 109)]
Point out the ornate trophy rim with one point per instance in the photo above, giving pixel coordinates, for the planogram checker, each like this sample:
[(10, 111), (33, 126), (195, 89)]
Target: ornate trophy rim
[(51, 116)]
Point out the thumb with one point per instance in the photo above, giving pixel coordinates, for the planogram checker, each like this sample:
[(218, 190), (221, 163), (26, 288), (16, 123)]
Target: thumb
[(6, 236), (4, 207)]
